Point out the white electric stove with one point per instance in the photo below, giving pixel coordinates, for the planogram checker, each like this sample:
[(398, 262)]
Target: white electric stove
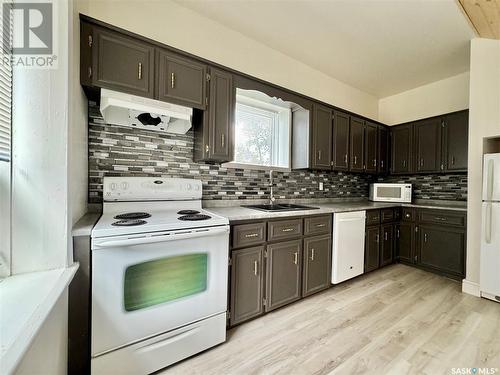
[(159, 275)]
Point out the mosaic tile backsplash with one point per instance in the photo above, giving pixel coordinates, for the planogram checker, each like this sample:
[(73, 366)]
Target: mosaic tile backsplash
[(123, 151)]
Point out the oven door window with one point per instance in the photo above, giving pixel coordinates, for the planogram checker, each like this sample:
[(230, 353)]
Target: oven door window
[(164, 280)]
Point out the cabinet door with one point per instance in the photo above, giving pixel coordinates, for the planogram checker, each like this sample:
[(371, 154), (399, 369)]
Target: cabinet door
[(405, 242), (247, 284), (455, 142), (284, 271), (123, 64), (401, 149), (341, 141), (383, 150), (180, 80), (371, 148), (317, 264), (428, 145), (372, 251), (387, 244), (356, 144), (220, 114), (322, 137), (442, 249)]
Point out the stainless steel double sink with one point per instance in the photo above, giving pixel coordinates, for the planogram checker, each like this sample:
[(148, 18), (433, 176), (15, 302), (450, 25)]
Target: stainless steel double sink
[(280, 207)]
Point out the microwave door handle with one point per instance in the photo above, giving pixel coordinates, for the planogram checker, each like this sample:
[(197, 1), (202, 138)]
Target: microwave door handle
[(180, 235)]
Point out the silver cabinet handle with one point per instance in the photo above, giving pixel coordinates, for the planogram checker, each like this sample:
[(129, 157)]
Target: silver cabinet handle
[(355, 160), (251, 235), (397, 233), (172, 80), (385, 236), (255, 267), (287, 230), (425, 237), (319, 154), (377, 239), (222, 140), (90, 72), (422, 162), (312, 255), (345, 159), (453, 160), (295, 258), (320, 225), (381, 164), (139, 71), (207, 149), (404, 163), (374, 162)]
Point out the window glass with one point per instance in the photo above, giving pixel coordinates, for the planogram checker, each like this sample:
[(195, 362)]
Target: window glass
[(164, 280), (262, 130)]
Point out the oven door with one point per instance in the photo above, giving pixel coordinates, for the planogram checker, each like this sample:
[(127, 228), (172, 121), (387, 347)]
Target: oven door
[(145, 285)]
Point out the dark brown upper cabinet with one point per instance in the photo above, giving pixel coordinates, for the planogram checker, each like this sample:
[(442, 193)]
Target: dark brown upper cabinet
[(371, 147), (180, 80), (247, 284), (357, 140), (455, 141), (317, 264), (284, 273), (214, 130), (117, 62), (383, 150), (428, 145), (321, 137), (401, 149), (341, 141)]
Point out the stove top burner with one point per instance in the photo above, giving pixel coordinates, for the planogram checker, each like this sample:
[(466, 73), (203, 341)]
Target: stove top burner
[(133, 216), (128, 223), (195, 217), (188, 212)]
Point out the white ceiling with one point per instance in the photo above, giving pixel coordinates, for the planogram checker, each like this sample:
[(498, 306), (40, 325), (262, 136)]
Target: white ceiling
[(382, 47)]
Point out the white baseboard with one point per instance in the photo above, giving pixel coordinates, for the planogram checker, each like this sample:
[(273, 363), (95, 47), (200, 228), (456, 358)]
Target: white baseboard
[(470, 287)]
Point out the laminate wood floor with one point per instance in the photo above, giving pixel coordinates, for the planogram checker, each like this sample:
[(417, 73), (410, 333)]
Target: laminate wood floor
[(397, 320)]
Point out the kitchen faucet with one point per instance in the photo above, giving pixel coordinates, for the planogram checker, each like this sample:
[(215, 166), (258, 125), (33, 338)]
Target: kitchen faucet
[(272, 199)]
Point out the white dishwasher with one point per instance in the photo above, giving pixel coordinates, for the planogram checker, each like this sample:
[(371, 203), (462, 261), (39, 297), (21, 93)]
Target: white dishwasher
[(348, 251)]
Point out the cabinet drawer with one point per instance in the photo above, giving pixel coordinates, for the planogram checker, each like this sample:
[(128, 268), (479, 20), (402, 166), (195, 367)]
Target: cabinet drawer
[(318, 225), (373, 217), (283, 229), (387, 215), (248, 234), (408, 214), (442, 217)]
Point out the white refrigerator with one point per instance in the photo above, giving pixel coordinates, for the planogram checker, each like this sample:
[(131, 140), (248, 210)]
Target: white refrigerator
[(490, 231)]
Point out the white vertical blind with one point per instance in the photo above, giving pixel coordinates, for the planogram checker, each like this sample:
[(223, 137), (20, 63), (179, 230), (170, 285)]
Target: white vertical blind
[(5, 84)]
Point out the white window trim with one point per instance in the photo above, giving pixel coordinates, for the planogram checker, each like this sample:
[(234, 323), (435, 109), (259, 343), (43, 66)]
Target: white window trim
[(254, 103)]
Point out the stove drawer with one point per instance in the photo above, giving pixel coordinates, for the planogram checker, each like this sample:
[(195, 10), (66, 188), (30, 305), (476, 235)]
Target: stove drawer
[(245, 235)]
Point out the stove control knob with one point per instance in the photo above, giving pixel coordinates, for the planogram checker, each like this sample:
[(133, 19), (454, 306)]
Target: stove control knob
[(196, 187), (124, 185), (188, 187), (113, 186)]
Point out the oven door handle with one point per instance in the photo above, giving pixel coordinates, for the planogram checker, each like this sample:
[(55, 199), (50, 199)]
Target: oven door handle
[(163, 237)]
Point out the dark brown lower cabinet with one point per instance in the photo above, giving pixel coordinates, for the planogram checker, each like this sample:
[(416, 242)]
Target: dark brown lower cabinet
[(372, 248), (386, 244), (317, 264), (247, 284), (405, 243), (442, 248), (284, 270)]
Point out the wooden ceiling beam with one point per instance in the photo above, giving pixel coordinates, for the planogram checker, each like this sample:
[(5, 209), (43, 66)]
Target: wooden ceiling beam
[(484, 15)]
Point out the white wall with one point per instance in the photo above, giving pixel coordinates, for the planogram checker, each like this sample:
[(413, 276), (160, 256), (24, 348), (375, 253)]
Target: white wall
[(172, 24), (448, 95), (48, 352), (484, 121)]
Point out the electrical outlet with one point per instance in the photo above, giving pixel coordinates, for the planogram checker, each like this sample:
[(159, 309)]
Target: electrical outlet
[(321, 186)]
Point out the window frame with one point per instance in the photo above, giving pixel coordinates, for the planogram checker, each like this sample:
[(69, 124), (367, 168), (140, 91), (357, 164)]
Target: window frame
[(267, 107)]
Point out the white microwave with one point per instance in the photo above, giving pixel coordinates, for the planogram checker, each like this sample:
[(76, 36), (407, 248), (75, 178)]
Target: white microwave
[(390, 193)]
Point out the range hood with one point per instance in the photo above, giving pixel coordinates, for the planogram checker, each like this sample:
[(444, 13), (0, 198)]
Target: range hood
[(129, 110)]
